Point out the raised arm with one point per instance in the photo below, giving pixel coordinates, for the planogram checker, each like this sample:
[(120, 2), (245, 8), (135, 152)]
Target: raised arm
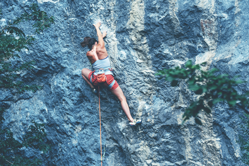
[(99, 34)]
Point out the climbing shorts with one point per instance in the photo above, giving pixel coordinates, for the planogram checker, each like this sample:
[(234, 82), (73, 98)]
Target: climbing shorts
[(111, 83)]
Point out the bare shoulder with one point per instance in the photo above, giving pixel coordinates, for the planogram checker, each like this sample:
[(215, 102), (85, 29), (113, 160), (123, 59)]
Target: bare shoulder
[(88, 53), (100, 48), (101, 45)]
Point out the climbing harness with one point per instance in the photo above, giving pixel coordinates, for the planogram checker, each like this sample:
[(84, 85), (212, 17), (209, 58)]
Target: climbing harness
[(101, 77)]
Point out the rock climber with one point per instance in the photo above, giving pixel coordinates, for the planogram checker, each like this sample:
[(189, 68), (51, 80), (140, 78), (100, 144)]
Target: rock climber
[(102, 73)]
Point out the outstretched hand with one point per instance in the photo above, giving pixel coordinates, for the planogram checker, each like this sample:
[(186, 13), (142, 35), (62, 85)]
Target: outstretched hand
[(97, 25)]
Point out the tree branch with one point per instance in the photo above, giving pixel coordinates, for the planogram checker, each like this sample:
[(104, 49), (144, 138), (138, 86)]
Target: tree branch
[(8, 160)]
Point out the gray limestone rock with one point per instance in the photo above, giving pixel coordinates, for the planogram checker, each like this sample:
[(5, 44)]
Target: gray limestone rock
[(143, 36)]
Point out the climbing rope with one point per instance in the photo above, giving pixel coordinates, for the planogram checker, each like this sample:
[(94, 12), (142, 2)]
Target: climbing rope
[(88, 82), (100, 129), (99, 116)]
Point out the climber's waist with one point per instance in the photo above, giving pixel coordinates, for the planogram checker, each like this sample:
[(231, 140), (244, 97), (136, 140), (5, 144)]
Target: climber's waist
[(103, 70), (102, 66)]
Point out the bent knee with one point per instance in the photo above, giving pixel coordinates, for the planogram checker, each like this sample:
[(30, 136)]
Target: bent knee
[(83, 70)]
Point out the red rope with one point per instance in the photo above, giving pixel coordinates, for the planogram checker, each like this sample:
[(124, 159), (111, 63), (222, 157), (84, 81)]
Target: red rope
[(88, 82)]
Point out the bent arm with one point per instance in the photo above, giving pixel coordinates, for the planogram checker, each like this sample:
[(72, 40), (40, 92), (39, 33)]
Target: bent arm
[(99, 34)]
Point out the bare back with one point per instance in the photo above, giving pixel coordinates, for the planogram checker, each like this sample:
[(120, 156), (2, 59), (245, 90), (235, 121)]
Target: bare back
[(101, 52)]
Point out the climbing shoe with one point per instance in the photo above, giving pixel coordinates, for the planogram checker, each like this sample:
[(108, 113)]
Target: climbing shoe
[(138, 122), (132, 123), (135, 122), (95, 91)]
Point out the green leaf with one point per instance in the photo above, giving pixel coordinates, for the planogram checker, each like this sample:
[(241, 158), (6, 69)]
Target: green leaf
[(213, 87), (213, 70), (170, 79), (158, 73), (232, 102), (239, 81), (204, 88), (194, 87), (188, 64), (215, 101), (224, 75), (196, 67), (204, 63)]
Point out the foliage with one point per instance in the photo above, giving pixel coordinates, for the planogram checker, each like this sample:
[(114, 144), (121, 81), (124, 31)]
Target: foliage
[(12, 41), (211, 87), (11, 149), (10, 77), (243, 139)]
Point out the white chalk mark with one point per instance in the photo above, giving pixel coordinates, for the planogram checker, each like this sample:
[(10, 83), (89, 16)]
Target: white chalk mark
[(42, 1)]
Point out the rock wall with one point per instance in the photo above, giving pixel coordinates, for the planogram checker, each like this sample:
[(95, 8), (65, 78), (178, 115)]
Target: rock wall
[(143, 36)]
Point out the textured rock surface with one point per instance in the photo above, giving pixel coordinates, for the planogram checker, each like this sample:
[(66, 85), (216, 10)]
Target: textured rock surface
[(143, 37)]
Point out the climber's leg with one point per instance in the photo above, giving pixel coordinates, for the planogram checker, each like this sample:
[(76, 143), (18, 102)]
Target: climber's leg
[(85, 72), (119, 93)]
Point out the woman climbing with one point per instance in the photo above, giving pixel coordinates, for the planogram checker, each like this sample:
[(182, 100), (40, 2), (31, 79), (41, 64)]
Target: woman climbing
[(102, 74)]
